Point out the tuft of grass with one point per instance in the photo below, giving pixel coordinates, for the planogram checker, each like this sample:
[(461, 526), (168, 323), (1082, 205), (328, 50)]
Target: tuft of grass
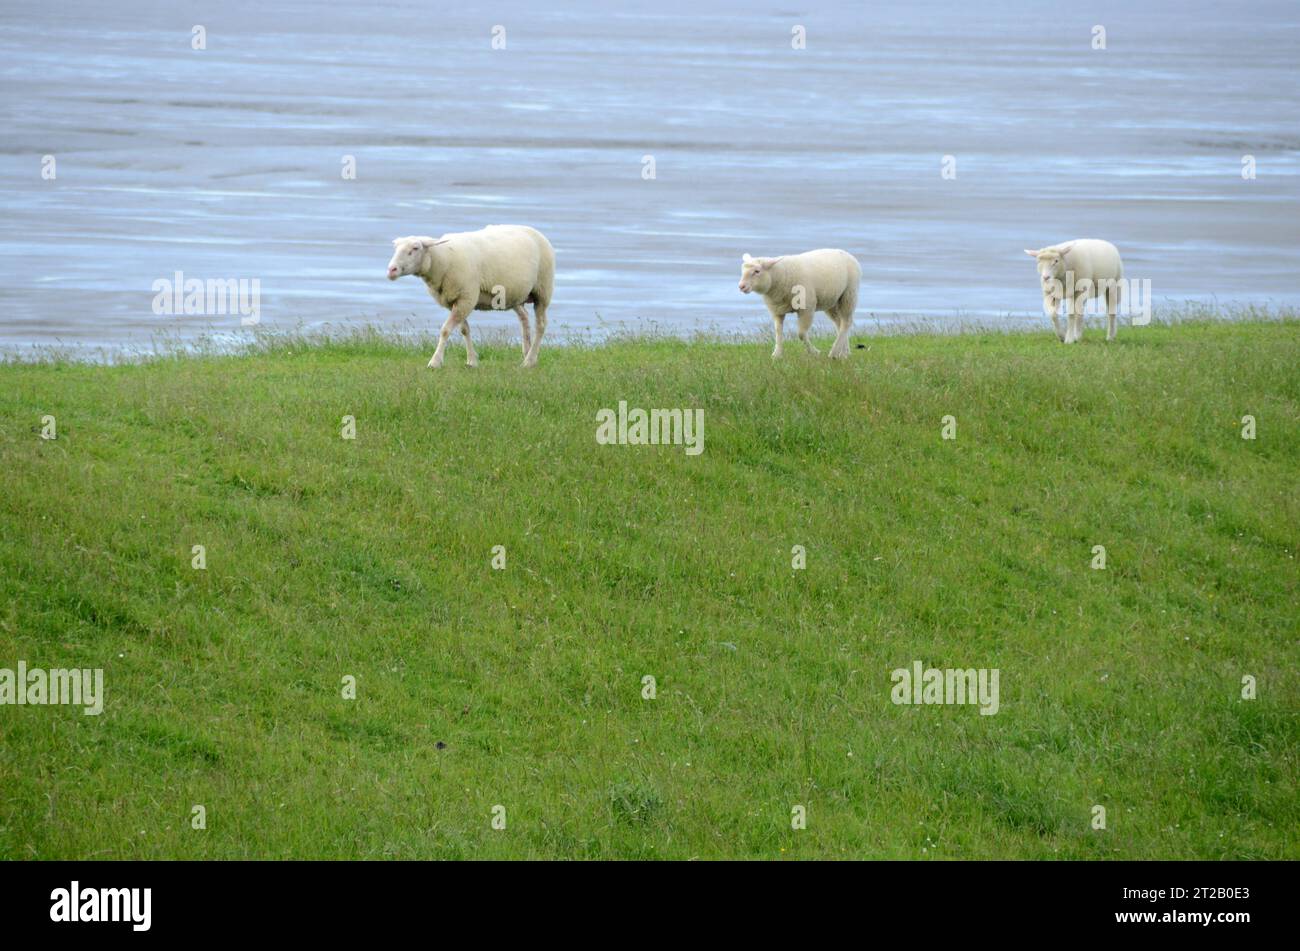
[(522, 688), (633, 802)]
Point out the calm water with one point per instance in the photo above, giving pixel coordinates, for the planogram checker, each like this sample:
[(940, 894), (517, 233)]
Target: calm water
[(226, 163)]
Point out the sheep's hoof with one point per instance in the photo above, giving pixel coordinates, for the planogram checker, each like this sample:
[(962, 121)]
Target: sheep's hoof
[(435, 363), (472, 363)]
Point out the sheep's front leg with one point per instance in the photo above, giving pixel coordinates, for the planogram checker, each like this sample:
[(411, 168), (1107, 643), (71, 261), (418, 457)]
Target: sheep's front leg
[(471, 358), (1112, 310), (523, 328), (1079, 306), (805, 323), (778, 325), (1071, 314), (1051, 305), (458, 313)]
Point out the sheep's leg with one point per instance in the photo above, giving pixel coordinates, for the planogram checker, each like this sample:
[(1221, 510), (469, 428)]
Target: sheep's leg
[(523, 328), (840, 348), (1051, 304), (539, 319), (843, 327), (458, 313), (805, 323), (1112, 309), (778, 325), (471, 358), (1071, 307)]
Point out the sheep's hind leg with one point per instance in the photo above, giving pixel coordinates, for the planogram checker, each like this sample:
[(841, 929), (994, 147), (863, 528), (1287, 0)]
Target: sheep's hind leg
[(843, 327), (539, 318), (523, 328), (471, 358)]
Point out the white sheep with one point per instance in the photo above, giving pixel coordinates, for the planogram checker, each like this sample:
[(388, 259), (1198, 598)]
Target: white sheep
[(498, 268), (1076, 272), (825, 280)]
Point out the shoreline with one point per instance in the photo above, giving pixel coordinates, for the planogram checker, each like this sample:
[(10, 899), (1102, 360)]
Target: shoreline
[(215, 343)]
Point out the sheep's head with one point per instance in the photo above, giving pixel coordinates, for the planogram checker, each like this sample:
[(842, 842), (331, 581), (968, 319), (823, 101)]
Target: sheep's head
[(408, 255), (1051, 268), (756, 274)]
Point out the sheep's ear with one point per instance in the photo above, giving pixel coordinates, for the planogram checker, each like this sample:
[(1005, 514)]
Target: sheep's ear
[(1064, 249), (1032, 254), (397, 241), (770, 261), (745, 258), (441, 241)]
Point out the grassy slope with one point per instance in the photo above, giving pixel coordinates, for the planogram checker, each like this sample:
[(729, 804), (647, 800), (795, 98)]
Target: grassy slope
[(370, 557)]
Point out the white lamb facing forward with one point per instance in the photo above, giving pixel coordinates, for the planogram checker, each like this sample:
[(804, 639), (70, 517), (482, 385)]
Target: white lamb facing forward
[(1077, 271), (825, 280), (501, 267)]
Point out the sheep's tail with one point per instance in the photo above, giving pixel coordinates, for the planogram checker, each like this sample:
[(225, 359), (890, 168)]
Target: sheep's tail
[(849, 299), (545, 270)]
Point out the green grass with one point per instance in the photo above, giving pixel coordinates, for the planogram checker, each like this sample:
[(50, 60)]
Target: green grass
[(371, 557)]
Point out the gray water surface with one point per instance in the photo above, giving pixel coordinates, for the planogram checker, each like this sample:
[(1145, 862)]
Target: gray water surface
[(226, 163)]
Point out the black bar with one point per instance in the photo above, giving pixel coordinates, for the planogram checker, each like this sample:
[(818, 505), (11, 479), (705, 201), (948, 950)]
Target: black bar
[(981, 899)]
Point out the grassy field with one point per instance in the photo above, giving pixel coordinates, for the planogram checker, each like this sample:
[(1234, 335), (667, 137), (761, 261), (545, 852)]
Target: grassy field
[(523, 687)]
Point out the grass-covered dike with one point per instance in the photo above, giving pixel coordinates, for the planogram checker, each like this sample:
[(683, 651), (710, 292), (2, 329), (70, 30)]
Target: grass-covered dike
[(523, 687)]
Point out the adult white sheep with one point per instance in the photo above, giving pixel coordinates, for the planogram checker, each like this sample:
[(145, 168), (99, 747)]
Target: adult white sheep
[(500, 267), (1076, 272), (825, 280)]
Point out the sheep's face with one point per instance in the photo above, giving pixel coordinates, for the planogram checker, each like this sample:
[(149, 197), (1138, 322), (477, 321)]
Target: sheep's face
[(756, 274), (1051, 270), (408, 256)]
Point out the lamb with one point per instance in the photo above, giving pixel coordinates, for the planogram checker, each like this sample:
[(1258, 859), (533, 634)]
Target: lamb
[(825, 280), (498, 268), (1078, 271)]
